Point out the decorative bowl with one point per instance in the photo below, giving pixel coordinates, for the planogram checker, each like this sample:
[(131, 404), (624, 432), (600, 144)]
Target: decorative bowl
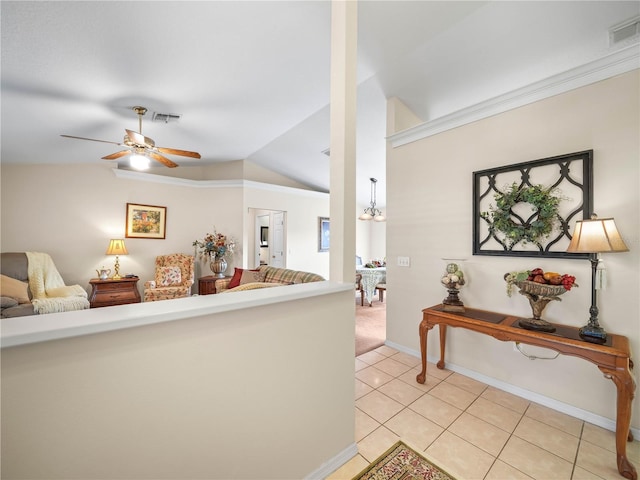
[(539, 296), (541, 289)]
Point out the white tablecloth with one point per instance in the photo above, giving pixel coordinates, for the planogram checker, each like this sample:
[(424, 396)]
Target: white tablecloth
[(370, 278)]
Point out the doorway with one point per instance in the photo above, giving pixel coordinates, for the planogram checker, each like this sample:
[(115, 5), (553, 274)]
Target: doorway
[(267, 242)]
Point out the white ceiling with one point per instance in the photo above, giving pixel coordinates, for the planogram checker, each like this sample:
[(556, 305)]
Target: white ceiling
[(251, 79)]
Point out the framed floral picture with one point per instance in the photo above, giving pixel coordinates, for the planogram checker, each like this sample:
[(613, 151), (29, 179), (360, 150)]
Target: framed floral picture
[(323, 234), (146, 221)]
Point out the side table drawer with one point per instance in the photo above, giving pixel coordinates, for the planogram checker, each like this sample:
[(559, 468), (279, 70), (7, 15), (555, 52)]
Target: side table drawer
[(106, 293)]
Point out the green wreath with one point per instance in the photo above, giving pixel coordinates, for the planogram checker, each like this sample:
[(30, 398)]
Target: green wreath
[(539, 225)]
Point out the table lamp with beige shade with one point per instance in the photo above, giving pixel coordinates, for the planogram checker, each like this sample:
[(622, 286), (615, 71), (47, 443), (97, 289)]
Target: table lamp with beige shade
[(595, 236), (116, 247)]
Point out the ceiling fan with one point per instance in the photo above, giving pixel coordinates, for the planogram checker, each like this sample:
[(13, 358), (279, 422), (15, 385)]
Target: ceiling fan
[(138, 144)]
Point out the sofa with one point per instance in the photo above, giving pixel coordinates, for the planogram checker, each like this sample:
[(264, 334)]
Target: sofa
[(264, 277), (15, 295), (44, 292)]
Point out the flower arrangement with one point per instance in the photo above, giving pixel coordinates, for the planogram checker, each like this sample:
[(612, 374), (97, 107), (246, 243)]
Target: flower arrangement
[(215, 245), (376, 264)]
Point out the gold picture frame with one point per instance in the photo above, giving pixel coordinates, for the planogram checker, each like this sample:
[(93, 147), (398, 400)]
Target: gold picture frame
[(146, 221)]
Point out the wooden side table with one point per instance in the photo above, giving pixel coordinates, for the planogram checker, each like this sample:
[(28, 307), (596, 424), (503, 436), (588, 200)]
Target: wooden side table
[(105, 293), (207, 285), (612, 357)]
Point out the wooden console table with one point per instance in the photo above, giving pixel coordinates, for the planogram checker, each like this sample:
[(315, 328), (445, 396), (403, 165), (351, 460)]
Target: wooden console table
[(612, 357)]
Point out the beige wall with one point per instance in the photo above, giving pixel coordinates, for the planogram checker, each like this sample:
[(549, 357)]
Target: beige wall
[(430, 218), (371, 239), (250, 393), (71, 212)]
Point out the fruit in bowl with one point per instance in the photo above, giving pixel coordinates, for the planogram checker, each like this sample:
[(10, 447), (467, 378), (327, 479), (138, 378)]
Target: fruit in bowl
[(540, 288), (539, 276)]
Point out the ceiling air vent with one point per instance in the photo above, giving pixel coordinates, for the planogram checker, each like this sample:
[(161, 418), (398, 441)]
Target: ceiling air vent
[(626, 32), (165, 117)]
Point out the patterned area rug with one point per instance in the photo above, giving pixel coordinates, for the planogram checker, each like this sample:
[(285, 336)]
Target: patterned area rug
[(402, 463)]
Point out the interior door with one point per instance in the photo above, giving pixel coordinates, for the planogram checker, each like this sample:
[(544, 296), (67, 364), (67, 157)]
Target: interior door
[(278, 240), (262, 254)]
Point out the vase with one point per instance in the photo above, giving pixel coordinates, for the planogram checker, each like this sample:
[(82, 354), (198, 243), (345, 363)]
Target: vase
[(218, 267)]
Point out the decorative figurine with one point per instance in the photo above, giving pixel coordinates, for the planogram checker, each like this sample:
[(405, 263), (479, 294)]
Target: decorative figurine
[(453, 280)]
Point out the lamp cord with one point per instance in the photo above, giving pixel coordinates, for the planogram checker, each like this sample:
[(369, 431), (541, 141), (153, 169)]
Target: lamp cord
[(534, 357)]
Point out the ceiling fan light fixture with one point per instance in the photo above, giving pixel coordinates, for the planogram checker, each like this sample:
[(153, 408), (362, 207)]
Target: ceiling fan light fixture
[(138, 144), (139, 162)]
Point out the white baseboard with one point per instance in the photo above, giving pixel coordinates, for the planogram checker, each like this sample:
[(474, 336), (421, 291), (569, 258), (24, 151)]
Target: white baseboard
[(571, 410), (324, 470)]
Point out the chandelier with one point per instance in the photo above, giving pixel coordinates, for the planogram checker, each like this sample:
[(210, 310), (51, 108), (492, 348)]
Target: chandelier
[(371, 212)]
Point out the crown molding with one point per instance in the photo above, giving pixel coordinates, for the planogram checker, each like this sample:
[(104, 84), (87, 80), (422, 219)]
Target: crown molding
[(240, 183), (619, 62)]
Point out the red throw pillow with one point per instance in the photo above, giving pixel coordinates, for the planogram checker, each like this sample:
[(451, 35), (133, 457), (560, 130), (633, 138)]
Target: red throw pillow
[(237, 276)]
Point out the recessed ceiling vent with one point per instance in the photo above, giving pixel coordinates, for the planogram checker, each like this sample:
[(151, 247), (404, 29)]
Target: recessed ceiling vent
[(626, 32), (166, 117)]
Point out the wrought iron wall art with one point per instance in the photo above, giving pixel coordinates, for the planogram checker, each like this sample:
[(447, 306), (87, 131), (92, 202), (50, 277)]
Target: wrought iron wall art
[(529, 209)]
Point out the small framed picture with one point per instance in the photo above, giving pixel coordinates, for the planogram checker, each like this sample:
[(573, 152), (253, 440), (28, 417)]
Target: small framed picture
[(146, 221), (323, 234)]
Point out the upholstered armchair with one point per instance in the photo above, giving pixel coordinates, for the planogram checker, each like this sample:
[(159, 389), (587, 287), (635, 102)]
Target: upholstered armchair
[(173, 278)]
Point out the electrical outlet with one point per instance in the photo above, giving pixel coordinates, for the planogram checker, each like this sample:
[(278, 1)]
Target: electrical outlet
[(403, 261)]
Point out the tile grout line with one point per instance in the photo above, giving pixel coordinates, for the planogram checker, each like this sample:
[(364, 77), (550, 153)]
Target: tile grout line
[(575, 459), (511, 434)]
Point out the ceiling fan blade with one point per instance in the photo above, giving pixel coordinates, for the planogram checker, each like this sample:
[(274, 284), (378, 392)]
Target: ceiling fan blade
[(163, 160), (140, 139), (113, 156), (92, 139), (174, 151)]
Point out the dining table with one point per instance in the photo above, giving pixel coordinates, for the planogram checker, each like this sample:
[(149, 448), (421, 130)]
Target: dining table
[(370, 278)]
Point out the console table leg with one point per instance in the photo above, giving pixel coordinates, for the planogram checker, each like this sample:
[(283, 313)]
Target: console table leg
[(424, 330), (443, 338), (625, 386)]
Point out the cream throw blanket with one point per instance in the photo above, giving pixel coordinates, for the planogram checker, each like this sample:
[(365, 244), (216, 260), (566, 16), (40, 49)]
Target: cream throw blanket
[(50, 294)]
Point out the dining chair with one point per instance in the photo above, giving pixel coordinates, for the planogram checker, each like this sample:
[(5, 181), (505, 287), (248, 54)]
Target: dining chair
[(359, 288)]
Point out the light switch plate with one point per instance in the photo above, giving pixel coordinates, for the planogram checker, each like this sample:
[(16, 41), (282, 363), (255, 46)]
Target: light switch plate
[(404, 261)]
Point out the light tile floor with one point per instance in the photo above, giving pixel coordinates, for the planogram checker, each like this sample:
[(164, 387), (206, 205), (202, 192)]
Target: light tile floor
[(470, 429)]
